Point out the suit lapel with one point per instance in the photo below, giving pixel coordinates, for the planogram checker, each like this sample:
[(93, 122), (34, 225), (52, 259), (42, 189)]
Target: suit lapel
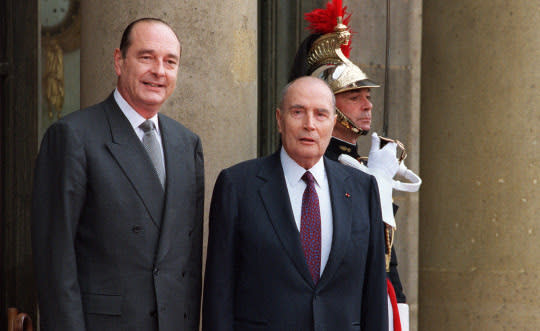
[(129, 152), (276, 201), (174, 150), (342, 218)]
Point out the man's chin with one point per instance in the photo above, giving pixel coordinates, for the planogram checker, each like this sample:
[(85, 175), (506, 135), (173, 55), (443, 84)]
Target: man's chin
[(365, 127), (153, 101)]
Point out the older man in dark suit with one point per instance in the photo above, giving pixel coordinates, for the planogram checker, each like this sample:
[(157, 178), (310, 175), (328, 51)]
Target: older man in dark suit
[(296, 240), (118, 202)]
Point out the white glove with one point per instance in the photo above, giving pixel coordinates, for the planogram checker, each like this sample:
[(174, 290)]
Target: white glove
[(352, 162), (383, 160), (414, 179), (383, 164)]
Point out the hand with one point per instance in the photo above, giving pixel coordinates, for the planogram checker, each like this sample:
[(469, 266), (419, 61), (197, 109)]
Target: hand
[(414, 180), (383, 161), (383, 164), (385, 188)]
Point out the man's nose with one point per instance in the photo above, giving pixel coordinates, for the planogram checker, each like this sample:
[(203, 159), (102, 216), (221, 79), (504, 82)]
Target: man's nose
[(309, 122), (368, 105), (158, 68)]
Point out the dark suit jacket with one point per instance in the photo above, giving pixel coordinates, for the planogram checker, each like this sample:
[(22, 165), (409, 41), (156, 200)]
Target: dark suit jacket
[(256, 274), (112, 249), (334, 150)]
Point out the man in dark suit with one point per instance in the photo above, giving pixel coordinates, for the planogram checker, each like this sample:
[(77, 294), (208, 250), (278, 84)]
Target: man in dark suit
[(118, 202), (296, 240), (322, 54)]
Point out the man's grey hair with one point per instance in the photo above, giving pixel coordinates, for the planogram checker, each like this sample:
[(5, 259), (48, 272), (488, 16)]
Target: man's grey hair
[(285, 90)]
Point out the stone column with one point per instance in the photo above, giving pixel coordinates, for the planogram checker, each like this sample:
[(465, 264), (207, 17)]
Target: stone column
[(402, 104), (480, 201), (216, 93)]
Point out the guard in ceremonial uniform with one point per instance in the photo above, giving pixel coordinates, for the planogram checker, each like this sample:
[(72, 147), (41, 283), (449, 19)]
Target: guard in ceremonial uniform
[(324, 54)]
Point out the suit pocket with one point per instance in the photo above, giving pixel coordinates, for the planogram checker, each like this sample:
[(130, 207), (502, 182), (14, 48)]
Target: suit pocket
[(103, 304)]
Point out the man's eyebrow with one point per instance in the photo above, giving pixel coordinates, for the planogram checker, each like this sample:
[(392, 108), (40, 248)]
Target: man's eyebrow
[(324, 110), (174, 56), (143, 51), (296, 106), (151, 51)]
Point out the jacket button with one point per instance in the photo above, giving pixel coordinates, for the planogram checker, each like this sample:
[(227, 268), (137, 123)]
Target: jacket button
[(153, 313), (183, 274), (137, 229), (156, 271)]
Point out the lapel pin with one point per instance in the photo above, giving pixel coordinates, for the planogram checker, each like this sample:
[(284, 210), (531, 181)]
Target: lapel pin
[(347, 195)]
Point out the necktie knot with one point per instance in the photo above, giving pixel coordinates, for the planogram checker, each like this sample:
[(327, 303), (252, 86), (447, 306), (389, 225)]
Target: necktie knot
[(147, 126), (308, 178)]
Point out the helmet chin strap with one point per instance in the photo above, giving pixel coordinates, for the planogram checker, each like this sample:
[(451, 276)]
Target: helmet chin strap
[(347, 123)]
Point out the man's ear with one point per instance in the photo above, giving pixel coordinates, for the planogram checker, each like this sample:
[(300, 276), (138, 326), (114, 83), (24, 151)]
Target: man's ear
[(278, 119), (118, 61)]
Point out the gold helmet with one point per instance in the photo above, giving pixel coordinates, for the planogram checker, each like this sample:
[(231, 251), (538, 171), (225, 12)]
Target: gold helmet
[(325, 55)]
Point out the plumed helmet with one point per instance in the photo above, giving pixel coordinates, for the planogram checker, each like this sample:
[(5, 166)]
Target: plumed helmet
[(325, 53)]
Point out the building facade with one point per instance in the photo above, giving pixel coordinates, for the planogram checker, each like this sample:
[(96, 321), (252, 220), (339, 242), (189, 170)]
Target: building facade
[(460, 86)]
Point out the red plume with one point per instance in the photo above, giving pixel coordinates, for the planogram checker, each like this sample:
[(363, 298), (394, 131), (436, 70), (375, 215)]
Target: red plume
[(322, 21)]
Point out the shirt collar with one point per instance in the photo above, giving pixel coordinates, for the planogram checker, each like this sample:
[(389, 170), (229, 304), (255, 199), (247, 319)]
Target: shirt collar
[(294, 172), (134, 118)]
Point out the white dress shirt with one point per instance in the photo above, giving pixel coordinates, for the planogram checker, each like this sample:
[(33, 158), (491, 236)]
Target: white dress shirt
[(135, 119), (296, 186)]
